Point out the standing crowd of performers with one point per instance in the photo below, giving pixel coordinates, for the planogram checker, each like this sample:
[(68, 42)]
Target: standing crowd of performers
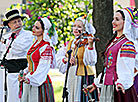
[(32, 54)]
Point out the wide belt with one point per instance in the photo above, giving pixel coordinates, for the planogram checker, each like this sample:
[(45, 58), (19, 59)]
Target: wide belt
[(15, 65)]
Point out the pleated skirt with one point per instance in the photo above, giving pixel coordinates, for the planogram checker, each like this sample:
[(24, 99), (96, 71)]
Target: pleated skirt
[(75, 85), (43, 93), (136, 83), (129, 96), (109, 94)]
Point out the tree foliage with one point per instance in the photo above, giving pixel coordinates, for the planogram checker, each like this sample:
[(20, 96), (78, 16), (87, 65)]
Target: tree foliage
[(62, 12)]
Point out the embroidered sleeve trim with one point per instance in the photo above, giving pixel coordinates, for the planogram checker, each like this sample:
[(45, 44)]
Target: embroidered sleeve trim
[(128, 50)]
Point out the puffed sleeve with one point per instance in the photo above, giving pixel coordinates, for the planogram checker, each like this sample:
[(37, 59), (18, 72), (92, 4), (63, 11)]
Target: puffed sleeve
[(60, 56), (125, 64), (21, 44), (2, 49), (46, 59), (90, 56), (97, 81), (136, 60)]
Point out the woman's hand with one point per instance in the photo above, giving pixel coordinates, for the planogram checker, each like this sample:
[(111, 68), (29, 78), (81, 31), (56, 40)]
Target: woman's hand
[(89, 88), (19, 78), (120, 87), (65, 60), (26, 80), (23, 78), (3, 40), (72, 60), (135, 70), (90, 42)]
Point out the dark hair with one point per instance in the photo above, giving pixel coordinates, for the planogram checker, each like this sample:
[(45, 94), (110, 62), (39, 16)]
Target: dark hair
[(108, 43), (42, 24), (122, 13), (113, 37)]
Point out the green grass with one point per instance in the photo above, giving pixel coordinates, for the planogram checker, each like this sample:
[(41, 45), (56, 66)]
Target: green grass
[(58, 90), (58, 83), (54, 73)]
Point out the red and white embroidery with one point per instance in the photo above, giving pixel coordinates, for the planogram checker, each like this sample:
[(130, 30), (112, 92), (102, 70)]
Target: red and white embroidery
[(47, 54)]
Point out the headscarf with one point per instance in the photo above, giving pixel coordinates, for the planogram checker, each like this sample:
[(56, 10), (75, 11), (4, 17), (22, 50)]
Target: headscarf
[(88, 26), (47, 25), (130, 28), (53, 40)]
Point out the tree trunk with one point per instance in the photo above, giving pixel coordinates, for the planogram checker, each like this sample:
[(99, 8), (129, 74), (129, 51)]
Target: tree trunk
[(136, 3), (102, 21)]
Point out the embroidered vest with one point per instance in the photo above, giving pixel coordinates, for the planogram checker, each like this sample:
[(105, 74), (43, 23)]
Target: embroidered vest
[(111, 60), (33, 57), (79, 61)]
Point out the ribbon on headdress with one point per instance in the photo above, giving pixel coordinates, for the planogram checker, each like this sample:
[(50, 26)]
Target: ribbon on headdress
[(130, 30), (47, 25)]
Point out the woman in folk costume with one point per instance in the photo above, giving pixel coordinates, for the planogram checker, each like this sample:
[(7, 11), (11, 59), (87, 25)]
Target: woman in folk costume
[(41, 57), (119, 63), (136, 62), (81, 71), (136, 71)]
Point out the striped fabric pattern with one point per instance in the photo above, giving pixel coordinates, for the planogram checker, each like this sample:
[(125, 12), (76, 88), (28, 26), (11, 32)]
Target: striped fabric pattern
[(46, 93), (31, 65), (128, 50), (130, 12)]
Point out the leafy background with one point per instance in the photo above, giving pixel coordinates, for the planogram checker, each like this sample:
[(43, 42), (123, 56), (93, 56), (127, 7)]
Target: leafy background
[(62, 12)]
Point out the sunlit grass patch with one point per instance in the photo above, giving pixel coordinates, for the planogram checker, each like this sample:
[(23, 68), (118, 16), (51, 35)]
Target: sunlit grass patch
[(58, 90), (58, 83), (54, 73)]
